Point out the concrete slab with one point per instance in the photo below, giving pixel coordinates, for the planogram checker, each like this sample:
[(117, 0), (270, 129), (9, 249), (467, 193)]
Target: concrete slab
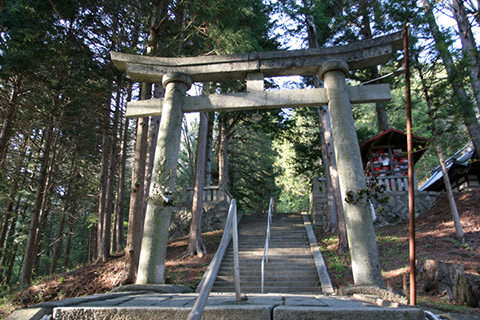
[(365, 313), (86, 299), (250, 312), (29, 313), (153, 300), (159, 288), (145, 306), (110, 302), (305, 301)]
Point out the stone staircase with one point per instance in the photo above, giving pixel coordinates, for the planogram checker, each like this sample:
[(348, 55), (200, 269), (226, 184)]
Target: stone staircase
[(290, 266)]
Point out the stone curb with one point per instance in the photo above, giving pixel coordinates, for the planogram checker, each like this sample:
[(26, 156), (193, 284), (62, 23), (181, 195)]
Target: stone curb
[(321, 267)]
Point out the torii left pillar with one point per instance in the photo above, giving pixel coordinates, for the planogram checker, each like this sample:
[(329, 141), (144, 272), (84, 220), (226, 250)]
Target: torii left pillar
[(151, 268)]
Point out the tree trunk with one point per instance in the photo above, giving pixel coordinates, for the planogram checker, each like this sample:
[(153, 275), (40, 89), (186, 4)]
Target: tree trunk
[(6, 224), (333, 173), (331, 204), (14, 193), (469, 47), (136, 213), (9, 120), (208, 162), (65, 213), (101, 254), (366, 31), (46, 203), (464, 103), (10, 264), (112, 170), (382, 117), (451, 198), (118, 211), (195, 244), (59, 239), (10, 237), (68, 242), (158, 92), (327, 140), (29, 258), (223, 153), (446, 179)]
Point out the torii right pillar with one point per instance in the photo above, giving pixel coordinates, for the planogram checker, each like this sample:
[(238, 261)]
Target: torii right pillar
[(360, 231)]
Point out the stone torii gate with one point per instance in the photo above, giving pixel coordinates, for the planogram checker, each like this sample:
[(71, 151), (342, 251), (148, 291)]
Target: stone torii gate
[(331, 64)]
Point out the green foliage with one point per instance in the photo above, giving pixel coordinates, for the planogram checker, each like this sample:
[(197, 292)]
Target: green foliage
[(252, 169)]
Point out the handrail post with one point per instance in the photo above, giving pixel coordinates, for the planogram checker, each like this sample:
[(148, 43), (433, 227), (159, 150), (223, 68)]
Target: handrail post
[(267, 241), (236, 267)]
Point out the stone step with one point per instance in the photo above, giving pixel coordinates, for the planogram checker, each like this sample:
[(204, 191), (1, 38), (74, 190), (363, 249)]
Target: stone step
[(269, 278), (256, 267), (285, 260), (273, 244), (290, 266), (274, 237), (274, 251), (268, 284), (256, 289), (297, 272), (271, 259)]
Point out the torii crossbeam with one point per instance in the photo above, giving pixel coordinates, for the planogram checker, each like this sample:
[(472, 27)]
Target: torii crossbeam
[(331, 64)]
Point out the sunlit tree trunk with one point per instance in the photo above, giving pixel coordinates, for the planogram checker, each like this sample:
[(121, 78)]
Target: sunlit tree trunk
[(136, 215), (208, 162), (152, 140), (136, 211), (195, 243), (222, 152)]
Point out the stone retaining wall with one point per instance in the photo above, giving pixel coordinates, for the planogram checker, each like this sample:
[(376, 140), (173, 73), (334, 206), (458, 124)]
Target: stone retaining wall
[(396, 209), (213, 218), (391, 212)]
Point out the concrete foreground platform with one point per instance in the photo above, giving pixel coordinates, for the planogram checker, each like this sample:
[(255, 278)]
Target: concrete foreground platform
[(146, 305)]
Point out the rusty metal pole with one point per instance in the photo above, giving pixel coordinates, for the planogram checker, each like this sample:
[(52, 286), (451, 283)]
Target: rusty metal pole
[(411, 190)]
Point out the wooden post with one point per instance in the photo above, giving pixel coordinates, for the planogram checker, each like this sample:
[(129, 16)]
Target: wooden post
[(361, 235), (411, 182), (151, 267)]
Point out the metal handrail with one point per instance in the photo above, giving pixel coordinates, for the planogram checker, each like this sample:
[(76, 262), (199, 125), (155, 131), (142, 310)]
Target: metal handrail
[(267, 242), (211, 273)]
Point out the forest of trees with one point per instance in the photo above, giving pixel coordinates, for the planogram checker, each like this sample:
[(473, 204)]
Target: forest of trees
[(75, 171)]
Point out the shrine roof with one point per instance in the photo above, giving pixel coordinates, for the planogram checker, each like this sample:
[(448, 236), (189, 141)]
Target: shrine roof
[(393, 137)]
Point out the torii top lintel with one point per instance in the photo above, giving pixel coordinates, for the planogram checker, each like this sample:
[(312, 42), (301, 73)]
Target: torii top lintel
[(358, 55)]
